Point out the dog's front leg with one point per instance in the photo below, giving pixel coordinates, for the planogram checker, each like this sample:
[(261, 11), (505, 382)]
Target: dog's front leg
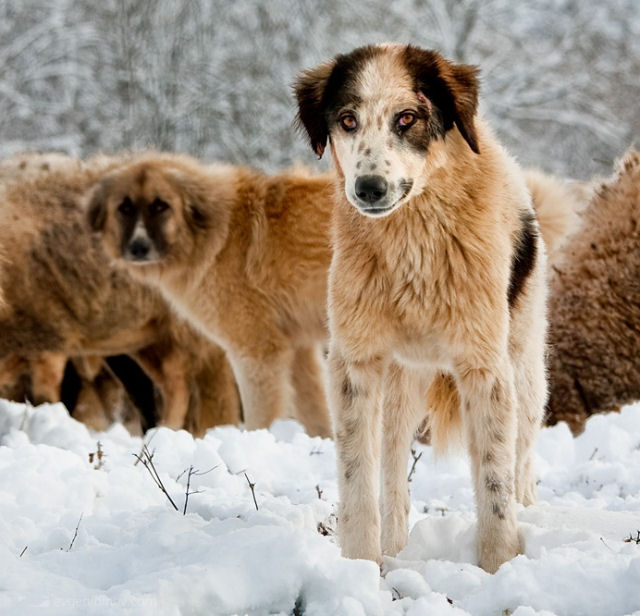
[(403, 410), (489, 412), (355, 392)]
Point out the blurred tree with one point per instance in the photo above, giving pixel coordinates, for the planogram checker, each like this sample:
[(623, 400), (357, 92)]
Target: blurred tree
[(212, 78)]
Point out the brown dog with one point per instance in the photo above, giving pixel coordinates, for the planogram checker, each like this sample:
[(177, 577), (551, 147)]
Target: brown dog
[(59, 296), (241, 255), (438, 267), (594, 305)]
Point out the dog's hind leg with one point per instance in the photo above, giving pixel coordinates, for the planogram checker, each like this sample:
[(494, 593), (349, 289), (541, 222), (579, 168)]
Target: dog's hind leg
[(355, 392), (489, 416), (310, 399), (265, 387), (531, 391), (403, 409)]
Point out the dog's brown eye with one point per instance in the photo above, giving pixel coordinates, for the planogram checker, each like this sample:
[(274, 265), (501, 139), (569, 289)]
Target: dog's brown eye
[(126, 207), (406, 119), (158, 206), (348, 122)]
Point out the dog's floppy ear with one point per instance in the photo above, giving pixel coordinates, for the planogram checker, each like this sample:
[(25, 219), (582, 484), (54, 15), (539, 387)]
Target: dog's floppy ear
[(200, 196), (462, 80), (452, 87), (97, 208), (310, 88)]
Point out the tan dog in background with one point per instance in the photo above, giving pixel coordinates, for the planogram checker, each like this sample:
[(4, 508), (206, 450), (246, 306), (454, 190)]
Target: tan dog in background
[(438, 267), (241, 255)]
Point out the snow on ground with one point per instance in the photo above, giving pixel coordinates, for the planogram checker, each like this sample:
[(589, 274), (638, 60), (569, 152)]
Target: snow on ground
[(97, 537)]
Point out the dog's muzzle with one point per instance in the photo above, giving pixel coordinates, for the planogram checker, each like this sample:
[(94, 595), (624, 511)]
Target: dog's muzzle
[(138, 249), (371, 189)]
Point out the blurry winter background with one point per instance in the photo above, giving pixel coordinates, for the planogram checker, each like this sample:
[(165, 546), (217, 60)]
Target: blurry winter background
[(212, 78)]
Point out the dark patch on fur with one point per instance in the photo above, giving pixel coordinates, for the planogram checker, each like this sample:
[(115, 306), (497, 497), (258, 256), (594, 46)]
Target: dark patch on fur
[(493, 485), (524, 257), (405, 186), (348, 390), (497, 510), (452, 88), (496, 394), (97, 211), (321, 92)]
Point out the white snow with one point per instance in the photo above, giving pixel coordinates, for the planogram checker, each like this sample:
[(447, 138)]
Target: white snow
[(134, 554)]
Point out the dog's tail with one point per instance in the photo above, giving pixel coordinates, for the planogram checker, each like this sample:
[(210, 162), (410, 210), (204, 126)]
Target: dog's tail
[(558, 204), (444, 420)]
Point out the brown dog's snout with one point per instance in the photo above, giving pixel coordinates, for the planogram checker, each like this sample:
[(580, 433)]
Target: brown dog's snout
[(371, 188), (139, 248)]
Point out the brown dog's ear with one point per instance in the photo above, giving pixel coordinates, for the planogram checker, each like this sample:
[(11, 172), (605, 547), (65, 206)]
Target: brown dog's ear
[(453, 88), (201, 196), (97, 209), (310, 88)]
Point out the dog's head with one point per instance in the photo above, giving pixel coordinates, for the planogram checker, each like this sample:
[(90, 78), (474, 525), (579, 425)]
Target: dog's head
[(155, 212), (381, 108)]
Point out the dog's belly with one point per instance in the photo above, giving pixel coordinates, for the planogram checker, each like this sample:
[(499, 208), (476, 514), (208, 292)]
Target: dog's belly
[(424, 351)]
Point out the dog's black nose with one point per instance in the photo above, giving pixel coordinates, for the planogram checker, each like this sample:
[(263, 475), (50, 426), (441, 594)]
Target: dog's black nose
[(139, 248), (371, 188)]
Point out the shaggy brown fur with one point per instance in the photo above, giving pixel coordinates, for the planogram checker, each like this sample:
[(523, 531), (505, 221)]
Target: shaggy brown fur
[(59, 294), (438, 267), (594, 306), (241, 255)]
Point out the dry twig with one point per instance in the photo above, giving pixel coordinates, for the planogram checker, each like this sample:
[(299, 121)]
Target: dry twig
[(413, 466), (253, 492), (191, 472), (74, 535), (146, 457)]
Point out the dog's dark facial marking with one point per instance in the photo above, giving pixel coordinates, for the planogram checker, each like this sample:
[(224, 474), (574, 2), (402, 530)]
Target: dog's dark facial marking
[(524, 257), (451, 88), (427, 127), (142, 229), (326, 90)]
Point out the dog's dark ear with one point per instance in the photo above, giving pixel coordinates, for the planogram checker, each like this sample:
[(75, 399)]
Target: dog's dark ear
[(310, 88), (462, 80), (453, 88), (97, 208)]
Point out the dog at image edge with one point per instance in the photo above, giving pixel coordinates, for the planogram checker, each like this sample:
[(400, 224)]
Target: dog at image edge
[(242, 256), (438, 268)]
